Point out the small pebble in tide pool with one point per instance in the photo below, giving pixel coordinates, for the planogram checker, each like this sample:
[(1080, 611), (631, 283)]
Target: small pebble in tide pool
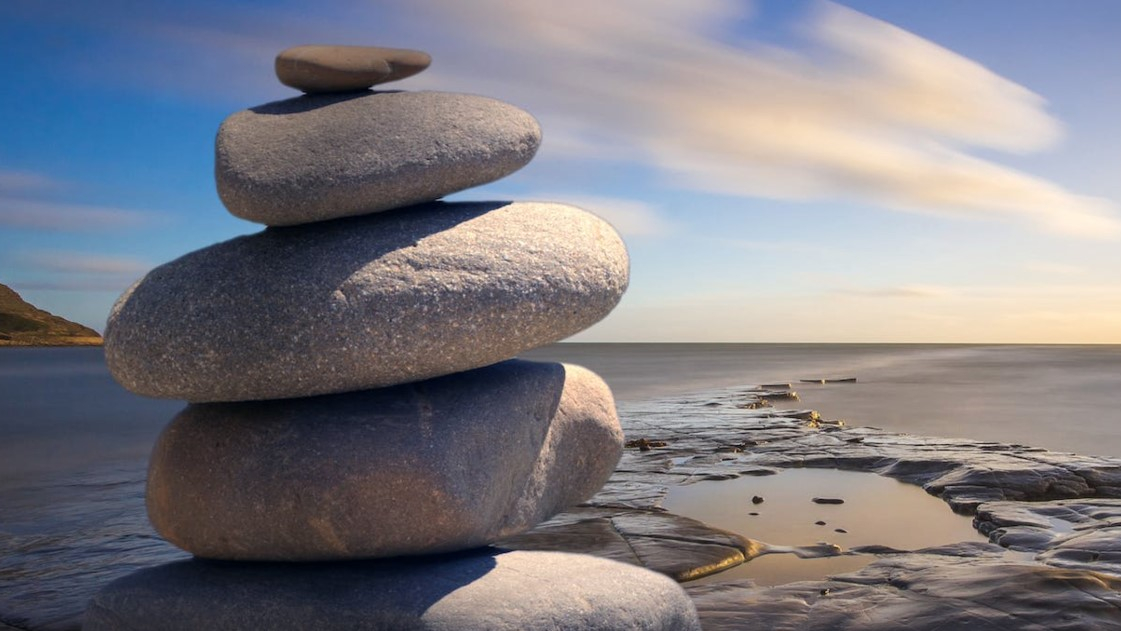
[(841, 530), (757, 500), (819, 523), (754, 514), (828, 500)]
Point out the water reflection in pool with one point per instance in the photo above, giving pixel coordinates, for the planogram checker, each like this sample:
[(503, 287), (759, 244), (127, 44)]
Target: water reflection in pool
[(876, 511)]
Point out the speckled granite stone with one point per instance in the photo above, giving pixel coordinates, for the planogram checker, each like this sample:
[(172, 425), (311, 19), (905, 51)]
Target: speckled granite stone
[(365, 302), (481, 591), (435, 466), (321, 157), (321, 69)]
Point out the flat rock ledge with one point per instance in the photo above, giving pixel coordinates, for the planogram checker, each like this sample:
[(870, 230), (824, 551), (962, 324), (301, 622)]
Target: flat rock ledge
[(476, 591), (681, 548), (964, 587), (1054, 516)]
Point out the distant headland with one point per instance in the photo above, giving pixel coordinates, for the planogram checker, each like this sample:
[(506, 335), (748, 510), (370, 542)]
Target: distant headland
[(22, 324)]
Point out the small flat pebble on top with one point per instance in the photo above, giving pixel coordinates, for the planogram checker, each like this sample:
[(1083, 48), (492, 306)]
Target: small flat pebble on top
[(321, 69)]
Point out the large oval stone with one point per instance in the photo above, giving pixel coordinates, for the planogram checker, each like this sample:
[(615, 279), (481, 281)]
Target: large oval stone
[(480, 591), (320, 157), (322, 69), (446, 464), (365, 302)]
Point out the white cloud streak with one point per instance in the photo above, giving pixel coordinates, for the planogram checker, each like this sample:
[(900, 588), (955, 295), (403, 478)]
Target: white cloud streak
[(61, 217), (865, 111), (96, 284), (900, 291), (629, 217), (82, 263), (13, 181)]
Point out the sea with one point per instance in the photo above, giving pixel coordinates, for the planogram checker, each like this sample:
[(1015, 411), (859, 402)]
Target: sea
[(74, 444)]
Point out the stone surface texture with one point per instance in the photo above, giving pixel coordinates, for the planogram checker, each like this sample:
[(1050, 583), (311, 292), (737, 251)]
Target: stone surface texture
[(366, 302), (488, 591), (434, 466), (964, 587), (322, 157), (322, 69)]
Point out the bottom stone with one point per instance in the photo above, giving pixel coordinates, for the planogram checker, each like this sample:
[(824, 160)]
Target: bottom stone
[(481, 589)]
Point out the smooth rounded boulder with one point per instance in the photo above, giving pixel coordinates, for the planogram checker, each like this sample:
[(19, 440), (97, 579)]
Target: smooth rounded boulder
[(320, 157), (436, 466), (487, 590), (325, 69), (366, 302)]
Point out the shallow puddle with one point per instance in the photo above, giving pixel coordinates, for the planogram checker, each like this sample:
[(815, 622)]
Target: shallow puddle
[(876, 511)]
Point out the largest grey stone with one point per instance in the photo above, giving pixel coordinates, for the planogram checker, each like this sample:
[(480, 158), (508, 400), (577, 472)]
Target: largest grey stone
[(483, 591), (436, 466), (325, 156), (364, 303)]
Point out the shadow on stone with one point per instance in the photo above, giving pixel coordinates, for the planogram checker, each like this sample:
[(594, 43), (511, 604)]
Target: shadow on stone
[(470, 591), (199, 594), (309, 102)]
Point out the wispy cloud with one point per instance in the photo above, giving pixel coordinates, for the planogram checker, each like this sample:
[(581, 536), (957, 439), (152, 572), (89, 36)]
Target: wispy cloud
[(870, 113), (771, 243), (18, 182), (64, 270), (862, 111), (72, 284), (82, 263), (1052, 268), (62, 217), (900, 291), (632, 218)]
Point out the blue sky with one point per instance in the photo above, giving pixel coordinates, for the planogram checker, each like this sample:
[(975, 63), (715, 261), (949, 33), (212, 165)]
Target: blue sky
[(782, 170)]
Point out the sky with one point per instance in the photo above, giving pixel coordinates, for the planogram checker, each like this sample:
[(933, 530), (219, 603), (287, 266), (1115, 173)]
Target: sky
[(781, 170)]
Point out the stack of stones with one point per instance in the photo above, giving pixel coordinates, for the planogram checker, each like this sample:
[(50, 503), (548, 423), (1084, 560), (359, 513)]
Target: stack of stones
[(353, 411)]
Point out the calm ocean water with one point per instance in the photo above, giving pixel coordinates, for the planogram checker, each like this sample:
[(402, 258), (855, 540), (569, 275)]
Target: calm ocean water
[(1063, 398), (73, 444), (61, 413)]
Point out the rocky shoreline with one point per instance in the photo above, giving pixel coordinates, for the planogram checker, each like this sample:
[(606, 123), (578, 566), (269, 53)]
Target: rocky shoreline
[(1059, 513), (1054, 521), (22, 324)]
